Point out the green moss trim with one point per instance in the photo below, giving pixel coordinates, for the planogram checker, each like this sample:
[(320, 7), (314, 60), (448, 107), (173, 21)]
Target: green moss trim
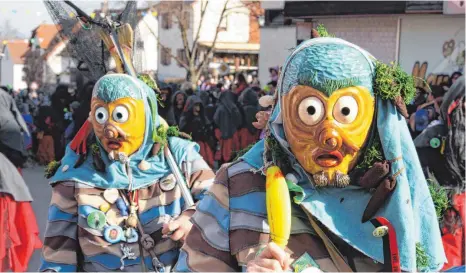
[(173, 131), (372, 154), (160, 135), (279, 157), (323, 31), (242, 152), (147, 79), (51, 169), (391, 81), (163, 134), (440, 199), (328, 86), (422, 259), (95, 149)]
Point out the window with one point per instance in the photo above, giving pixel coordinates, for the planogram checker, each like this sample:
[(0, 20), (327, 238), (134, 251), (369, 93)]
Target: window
[(180, 53), (166, 21), (166, 56), (140, 44)]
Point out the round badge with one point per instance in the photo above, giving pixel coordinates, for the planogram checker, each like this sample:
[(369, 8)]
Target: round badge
[(111, 195), (168, 183), (380, 231), (434, 142), (131, 235), (113, 234), (96, 220), (104, 207)]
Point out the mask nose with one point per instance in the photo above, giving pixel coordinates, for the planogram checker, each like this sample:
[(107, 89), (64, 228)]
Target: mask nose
[(111, 132), (330, 139)]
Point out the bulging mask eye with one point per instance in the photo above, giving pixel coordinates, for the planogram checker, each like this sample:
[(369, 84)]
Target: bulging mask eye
[(345, 110), (120, 114), (311, 110), (101, 115)]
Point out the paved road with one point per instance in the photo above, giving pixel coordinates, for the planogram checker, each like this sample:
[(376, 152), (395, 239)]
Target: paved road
[(41, 192)]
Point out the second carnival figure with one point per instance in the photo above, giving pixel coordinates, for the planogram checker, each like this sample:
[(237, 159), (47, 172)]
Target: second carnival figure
[(124, 193)]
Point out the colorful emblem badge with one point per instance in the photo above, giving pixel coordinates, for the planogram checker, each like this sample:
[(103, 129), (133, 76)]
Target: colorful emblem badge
[(113, 234), (96, 220), (380, 231)]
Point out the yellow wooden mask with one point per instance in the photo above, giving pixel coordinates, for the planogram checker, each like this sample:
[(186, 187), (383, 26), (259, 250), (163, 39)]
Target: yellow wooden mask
[(326, 133), (119, 125)]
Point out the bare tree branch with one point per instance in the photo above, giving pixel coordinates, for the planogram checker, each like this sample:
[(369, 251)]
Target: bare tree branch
[(212, 48), (198, 33), (173, 56), (185, 66), (180, 16), (193, 51)]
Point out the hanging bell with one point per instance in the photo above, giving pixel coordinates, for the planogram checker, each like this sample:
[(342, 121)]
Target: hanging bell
[(132, 221)]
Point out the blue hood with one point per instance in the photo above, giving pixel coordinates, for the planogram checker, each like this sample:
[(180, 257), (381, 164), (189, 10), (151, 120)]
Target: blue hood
[(409, 209), (110, 88)]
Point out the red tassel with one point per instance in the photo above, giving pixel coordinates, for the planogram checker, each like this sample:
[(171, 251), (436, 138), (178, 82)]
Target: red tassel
[(81, 138)]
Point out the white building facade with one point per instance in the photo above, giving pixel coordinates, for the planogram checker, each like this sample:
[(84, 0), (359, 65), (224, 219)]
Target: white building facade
[(419, 36), (12, 63), (146, 51), (233, 37)]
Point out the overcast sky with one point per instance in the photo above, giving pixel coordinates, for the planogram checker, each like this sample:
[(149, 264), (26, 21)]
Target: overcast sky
[(27, 15)]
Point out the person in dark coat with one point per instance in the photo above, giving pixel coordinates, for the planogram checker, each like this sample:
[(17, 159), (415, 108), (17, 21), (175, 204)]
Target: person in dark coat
[(12, 128), (249, 103), (209, 105), (194, 122), (176, 108), (61, 99), (47, 126), (82, 113), (164, 100), (240, 85), (227, 120), (444, 162)]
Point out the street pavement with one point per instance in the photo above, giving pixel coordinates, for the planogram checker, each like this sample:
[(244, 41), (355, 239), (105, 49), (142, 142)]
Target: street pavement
[(41, 192)]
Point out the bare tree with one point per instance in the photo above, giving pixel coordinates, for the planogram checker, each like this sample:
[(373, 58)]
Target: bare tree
[(33, 67), (196, 59), (8, 32)]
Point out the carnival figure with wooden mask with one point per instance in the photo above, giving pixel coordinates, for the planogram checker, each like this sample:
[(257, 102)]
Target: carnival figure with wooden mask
[(124, 192), (336, 184)]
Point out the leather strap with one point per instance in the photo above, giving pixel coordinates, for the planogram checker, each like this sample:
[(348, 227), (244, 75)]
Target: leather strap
[(147, 242), (335, 254)]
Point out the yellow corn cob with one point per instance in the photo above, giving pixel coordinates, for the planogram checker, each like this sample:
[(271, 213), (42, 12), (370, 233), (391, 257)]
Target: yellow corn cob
[(278, 206)]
